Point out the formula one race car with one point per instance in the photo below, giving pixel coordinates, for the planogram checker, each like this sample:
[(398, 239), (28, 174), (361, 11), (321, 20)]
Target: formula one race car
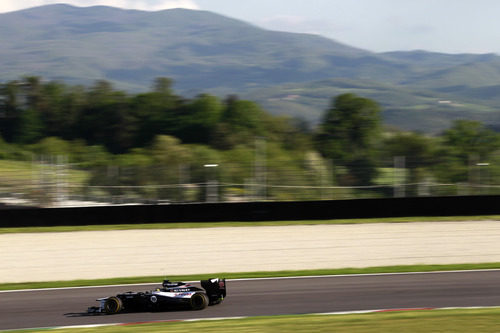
[(172, 296)]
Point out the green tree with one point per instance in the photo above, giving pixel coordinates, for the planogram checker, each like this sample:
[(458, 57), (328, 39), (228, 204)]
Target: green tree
[(155, 112), (73, 103), (348, 135), (163, 86), (10, 110), (33, 91), (149, 111), (30, 128), (198, 119), (464, 145), (98, 161), (52, 146), (107, 119), (417, 150), (51, 108), (241, 121), (170, 158), (467, 138)]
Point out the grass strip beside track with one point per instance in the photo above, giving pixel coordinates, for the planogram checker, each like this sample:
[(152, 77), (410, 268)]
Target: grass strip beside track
[(483, 320), (249, 275), (110, 227)]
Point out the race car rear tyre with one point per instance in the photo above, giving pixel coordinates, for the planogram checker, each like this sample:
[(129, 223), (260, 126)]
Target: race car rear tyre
[(199, 301), (113, 305)]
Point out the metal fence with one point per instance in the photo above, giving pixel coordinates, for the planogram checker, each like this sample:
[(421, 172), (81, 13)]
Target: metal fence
[(53, 182), (67, 195)]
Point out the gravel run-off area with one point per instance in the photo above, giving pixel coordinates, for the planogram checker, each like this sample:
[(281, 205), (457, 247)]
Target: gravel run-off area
[(105, 254)]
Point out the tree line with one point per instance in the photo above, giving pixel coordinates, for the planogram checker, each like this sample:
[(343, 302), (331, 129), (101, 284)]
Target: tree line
[(154, 137), (100, 115)]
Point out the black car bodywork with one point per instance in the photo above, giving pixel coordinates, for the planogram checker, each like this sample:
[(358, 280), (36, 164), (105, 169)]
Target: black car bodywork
[(172, 296)]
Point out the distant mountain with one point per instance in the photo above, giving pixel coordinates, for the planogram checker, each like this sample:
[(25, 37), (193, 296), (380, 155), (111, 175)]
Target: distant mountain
[(288, 73), (199, 50), (411, 109)]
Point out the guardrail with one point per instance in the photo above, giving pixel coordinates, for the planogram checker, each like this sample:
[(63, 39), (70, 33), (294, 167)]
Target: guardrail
[(252, 211)]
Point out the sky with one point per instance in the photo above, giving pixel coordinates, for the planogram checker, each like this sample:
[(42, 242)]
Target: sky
[(448, 26)]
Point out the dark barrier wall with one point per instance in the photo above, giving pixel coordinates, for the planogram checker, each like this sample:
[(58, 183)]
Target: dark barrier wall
[(252, 211)]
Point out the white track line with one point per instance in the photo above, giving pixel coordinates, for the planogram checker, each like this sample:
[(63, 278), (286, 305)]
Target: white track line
[(260, 279)]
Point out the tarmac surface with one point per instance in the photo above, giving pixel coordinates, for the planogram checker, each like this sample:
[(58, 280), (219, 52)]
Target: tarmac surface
[(264, 297), (166, 252)]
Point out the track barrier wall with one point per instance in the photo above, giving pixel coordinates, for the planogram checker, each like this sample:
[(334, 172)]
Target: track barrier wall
[(252, 211)]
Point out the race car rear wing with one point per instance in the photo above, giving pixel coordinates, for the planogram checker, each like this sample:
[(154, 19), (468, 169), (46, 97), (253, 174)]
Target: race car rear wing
[(215, 288)]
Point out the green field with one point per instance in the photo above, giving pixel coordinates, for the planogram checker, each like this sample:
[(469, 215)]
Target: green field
[(458, 320)]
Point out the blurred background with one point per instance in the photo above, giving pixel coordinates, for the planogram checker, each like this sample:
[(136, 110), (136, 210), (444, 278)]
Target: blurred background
[(102, 105), (66, 145)]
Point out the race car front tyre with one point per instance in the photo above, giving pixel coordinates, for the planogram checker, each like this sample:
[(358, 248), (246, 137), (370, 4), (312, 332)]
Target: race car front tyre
[(199, 301), (113, 305)]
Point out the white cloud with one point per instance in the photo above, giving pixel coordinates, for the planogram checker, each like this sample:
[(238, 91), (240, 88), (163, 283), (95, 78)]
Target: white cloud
[(149, 5)]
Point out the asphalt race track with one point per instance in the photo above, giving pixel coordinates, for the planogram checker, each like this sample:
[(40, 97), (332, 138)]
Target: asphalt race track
[(63, 307)]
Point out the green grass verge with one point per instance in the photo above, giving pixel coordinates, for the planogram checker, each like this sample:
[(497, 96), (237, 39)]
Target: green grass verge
[(460, 320), (249, 275), (111, 227)]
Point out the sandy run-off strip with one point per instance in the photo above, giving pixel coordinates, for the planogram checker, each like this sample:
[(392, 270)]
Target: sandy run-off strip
[(104, 254)]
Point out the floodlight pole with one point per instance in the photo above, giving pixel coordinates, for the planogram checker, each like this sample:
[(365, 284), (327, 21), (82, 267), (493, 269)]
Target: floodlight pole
[(212, 194)]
